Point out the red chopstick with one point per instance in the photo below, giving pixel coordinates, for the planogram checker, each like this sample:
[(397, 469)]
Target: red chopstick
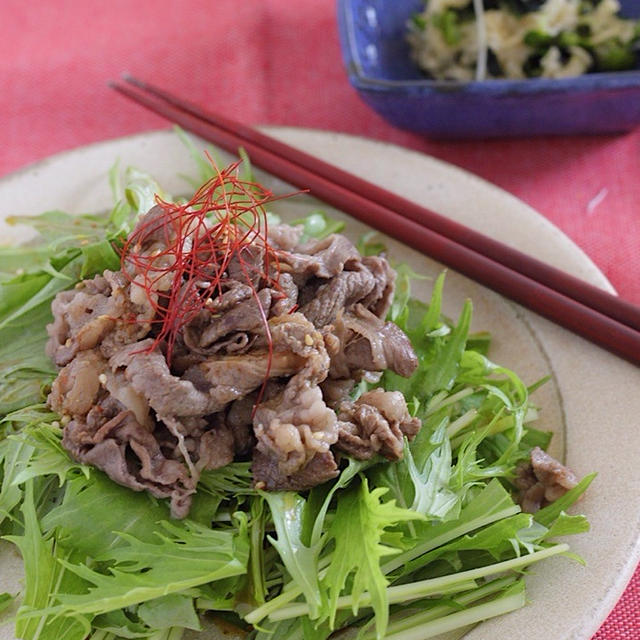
[(584, 309), (562, 282)]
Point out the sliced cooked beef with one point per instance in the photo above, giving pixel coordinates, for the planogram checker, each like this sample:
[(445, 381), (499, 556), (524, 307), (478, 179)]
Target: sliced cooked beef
[(284, 236), (294, 427), (359, 340), (205, 388), (234, 387), (323, 258), (267, 474), (149, 375), (105, 311), (376, 422), (285, 297), (217, 447), (381, 296), (74, 392), (235, 293), (226, 378), (207, 329), (247, 265), (542, 481), (296, 424), (335, 391), (131, 456), (82, 317), (157, 234), (342, 291), (556, 478)]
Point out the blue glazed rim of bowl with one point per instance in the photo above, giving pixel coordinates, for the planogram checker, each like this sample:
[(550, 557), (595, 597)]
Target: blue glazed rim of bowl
[(360, 80)]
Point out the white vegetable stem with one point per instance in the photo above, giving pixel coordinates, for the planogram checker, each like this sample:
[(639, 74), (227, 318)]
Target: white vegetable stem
[(439, 611), (481, 66), (469, 616), (292, 590), (463, 529), (423, 588)]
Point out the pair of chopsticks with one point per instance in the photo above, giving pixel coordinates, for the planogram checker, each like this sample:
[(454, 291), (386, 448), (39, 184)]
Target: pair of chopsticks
[(584, 309)]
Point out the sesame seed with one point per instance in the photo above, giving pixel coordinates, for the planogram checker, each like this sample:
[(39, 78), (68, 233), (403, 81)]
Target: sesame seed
[(260, 485), (66, 419), (102, 378), (55, 424), (308, 340)]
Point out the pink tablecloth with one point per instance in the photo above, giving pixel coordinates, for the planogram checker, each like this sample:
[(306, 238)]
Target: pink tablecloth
[(278, 62)]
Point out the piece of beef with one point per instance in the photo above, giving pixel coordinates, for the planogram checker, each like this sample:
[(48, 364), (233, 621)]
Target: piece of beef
[(158, 235), (324, 258), (542, 481), (268, 476), (335, 391), (107, 311), (285, 297), (343, 290), (205, 388), (285, 236), (227, 378), (247, 265), (75, 391), (210, 327), (82, 317), (234, 293), (359, 340), (239, 416), (379, 299), (216, 447), (296, 424), (131, 456), (376, 422), (149, 375)]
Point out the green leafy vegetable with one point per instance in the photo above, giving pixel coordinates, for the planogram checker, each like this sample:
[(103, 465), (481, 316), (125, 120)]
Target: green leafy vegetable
[(362, 516), (5, 601), (318, 225)]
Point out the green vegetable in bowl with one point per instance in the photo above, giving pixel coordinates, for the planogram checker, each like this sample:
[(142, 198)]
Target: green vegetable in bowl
[(517, 39)]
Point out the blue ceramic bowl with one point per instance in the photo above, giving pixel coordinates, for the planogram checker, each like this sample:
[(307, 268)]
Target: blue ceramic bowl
[(376, 55)]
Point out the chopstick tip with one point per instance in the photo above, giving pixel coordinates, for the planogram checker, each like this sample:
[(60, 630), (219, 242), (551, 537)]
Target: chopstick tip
[(131, 79)]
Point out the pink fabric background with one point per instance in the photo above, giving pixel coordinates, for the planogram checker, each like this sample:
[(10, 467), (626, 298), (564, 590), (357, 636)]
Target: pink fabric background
[(278, 62)]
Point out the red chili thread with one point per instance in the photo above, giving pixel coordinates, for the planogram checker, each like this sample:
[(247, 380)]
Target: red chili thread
[(191, 246)]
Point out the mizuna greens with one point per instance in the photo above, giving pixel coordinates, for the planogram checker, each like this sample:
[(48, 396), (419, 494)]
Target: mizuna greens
[(431, 543)]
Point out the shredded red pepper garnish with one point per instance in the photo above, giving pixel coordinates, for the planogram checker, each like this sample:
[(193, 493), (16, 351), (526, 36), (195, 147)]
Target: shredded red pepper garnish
[(180, 255)]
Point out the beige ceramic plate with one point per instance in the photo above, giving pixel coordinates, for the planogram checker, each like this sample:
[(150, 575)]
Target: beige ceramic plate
[(592, 402)]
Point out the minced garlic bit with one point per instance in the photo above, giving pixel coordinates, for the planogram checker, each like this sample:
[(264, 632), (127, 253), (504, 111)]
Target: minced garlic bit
[(65, 420), (260, 486)]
